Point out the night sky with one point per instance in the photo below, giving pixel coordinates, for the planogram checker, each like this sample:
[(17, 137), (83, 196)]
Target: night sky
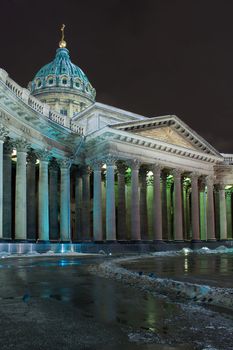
[(151, 57)]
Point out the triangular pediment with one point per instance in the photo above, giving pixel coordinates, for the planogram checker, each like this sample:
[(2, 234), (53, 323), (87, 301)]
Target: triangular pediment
[(171, 130), (168, 135)]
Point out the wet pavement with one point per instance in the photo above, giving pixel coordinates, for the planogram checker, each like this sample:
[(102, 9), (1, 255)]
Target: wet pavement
[(211, 269), (55, 303)]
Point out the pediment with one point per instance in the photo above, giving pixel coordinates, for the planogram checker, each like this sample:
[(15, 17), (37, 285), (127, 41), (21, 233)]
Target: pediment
[(166, 134), (169, 129)]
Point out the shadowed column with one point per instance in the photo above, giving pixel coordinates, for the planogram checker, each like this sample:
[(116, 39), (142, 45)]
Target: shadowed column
[(78, 205), (121, 213), (21, 190), (229, 212), (210, 209), (97, 201), (223, 212), (157, 204), (3, 134), (43, 204), (53, 200), (110, 200), (7, 191), (165, 226), (135, 204), (86, 229), (31, 195), (178, 223), (65, 165), (143, 202), (202, 211), (195, 208)]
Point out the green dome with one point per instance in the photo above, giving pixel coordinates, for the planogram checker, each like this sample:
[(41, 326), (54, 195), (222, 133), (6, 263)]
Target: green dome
[(62, 75)]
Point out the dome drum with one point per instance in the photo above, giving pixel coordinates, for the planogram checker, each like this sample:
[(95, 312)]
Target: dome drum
[(61, 75)]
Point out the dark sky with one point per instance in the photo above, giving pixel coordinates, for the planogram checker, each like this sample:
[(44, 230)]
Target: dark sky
[(152, 57)]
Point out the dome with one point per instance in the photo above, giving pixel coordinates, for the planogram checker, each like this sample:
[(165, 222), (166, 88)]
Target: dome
[(61, 75)]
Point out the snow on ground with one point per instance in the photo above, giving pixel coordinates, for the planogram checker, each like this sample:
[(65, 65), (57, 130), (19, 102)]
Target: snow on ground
[(199, 293)]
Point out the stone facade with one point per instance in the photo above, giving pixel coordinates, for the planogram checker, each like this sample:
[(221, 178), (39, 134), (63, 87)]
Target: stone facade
[(104, 173)]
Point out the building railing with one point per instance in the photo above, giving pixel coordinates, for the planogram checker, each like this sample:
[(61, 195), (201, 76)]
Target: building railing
[(37, 105), (228, 158)]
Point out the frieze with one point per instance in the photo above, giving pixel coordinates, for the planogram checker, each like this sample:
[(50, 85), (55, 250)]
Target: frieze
[(4, 116)]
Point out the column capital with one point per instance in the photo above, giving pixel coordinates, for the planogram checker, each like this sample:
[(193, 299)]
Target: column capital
[(96, 164), (157, 168), (177, 173), (110, 160), (53, 165), (3, 132), (121, 167), (194, 176), (134, 164), (8, 146), (43, 155), (209, 180), (31, 157), (64, 163), (21, 145)]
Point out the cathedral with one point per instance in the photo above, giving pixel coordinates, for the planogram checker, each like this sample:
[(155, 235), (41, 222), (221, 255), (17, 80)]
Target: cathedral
[(75, 170)]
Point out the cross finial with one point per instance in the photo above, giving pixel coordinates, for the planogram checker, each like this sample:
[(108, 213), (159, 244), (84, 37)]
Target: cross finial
[(62, 43)]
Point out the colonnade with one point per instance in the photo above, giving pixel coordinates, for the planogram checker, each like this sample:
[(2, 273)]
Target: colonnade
[(50, 204)]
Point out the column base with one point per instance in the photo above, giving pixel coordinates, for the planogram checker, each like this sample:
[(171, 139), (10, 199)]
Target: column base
[(5, 240), (211, 240), (98, 241), (158, 241), (195, 241), (110, 241), (20, 240), (178, 241), (42, 241), (133, 241)]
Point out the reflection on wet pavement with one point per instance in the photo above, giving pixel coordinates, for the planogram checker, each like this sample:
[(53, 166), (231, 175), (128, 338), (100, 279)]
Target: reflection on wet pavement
[(63, 298), (214, 270)]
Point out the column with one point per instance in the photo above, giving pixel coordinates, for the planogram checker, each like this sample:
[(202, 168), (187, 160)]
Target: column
[(7, 190), (78, 205), (203, 231), (210, 209), (195, 208), (164, 206), (157, 204), (135, 204), (43, 203), (53, 200), (31, 195), (65, 200), (3, 134), (21, 190), (222, 211), (121, 208), (110, 200), (169, 209), (185, 202), (97, 201), (86, 234), (178, 222), (143, 203), (229, 212)]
